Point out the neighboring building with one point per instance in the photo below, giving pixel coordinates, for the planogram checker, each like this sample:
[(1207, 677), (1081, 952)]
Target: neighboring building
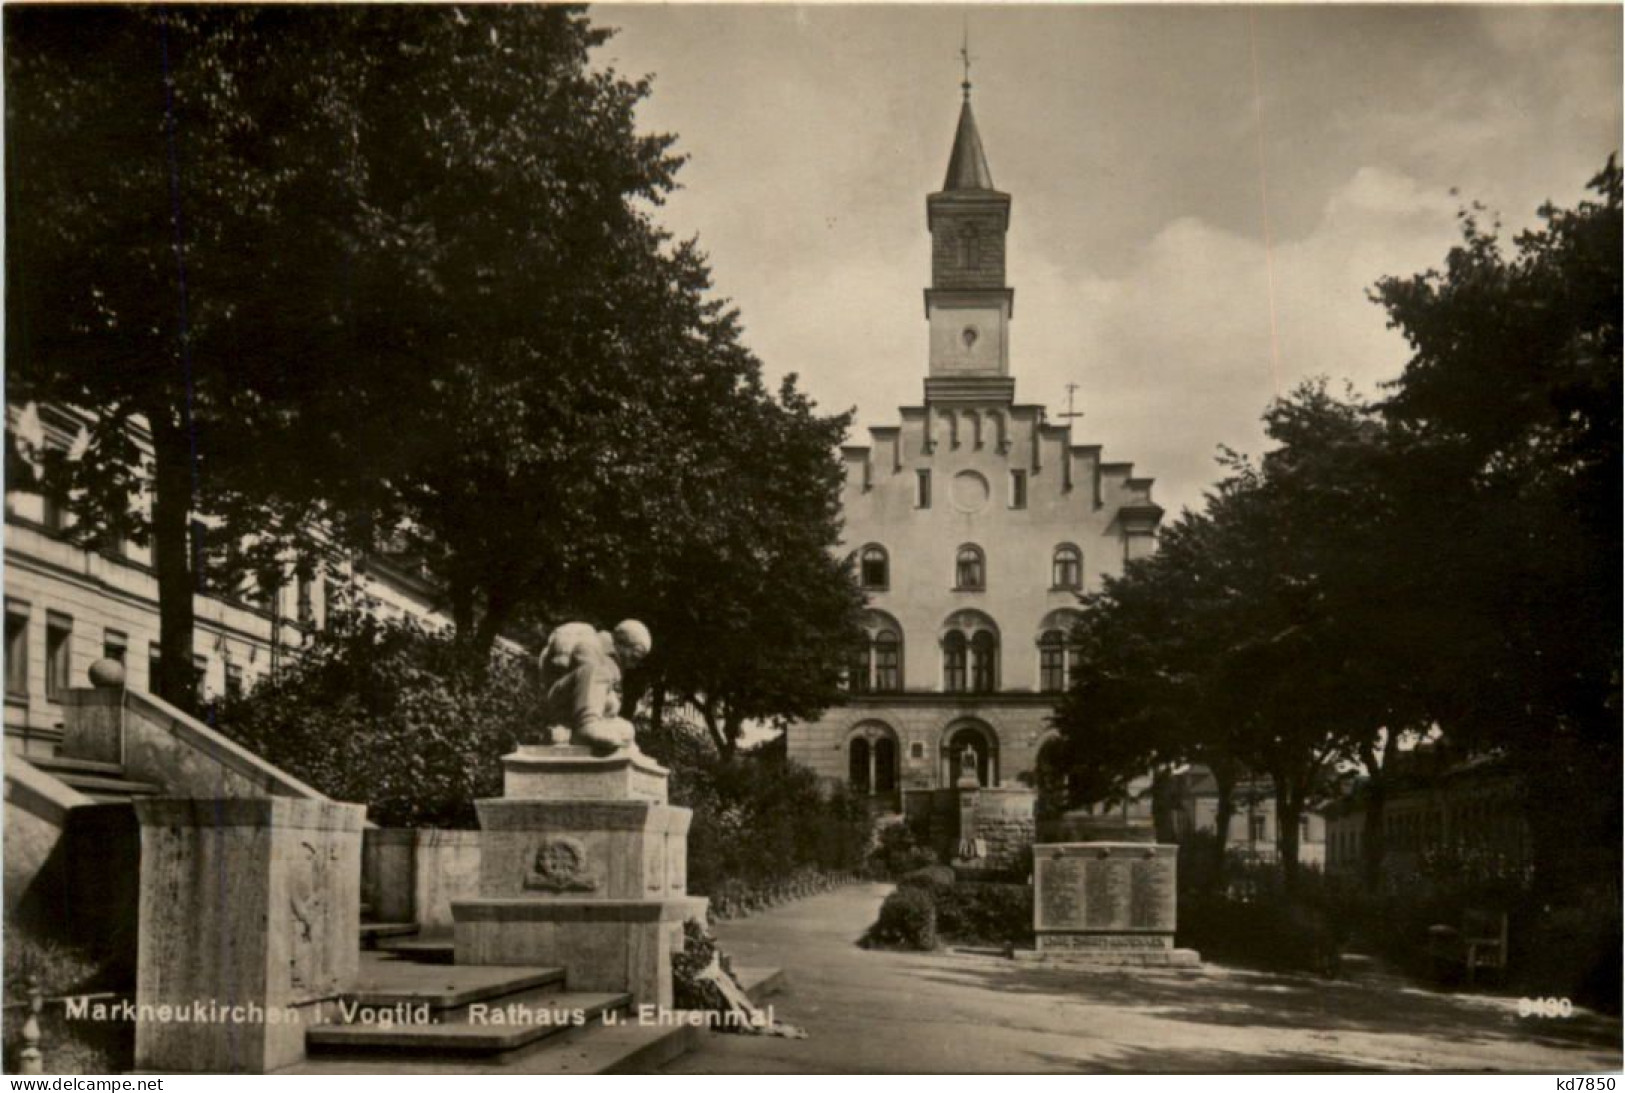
[(1254, 829), (975, 525), (67, 607), (1470, 808)]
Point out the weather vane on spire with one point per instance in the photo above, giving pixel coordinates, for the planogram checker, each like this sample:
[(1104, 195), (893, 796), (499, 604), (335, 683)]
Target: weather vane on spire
[(964, 55)]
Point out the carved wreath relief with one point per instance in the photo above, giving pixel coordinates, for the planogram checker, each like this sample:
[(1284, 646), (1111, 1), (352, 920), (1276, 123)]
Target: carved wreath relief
[(560, 865)]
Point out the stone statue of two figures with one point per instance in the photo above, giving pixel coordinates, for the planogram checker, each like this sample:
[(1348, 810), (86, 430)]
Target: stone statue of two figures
[(581, 679)]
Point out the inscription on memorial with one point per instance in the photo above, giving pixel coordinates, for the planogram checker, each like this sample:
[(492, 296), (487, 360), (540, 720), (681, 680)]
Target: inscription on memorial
[(1152, 896), (1106, 887), (1061, 884)]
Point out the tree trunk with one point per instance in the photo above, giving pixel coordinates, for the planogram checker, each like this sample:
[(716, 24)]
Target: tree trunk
[(462, 610), (1162, 806), (1373, 846), (499, 608), (733, 726), (172, 559), (1288, 809), (1224, 782), (708, 710)]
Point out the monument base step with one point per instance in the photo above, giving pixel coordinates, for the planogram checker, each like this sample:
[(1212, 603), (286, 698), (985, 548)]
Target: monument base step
[(384, 981), (504, 1024), (374, 932), (1112, 958), (627, 1048), (423, 950)]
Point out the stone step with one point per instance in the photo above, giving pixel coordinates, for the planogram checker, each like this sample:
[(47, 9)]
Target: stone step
[(67, 764), (383, 981), (374, 932), (506, 1024), (425, 950), (107, 788)]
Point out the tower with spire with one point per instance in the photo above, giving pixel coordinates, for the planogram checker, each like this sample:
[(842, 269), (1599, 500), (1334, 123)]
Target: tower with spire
[(973, 523), (968, 305)]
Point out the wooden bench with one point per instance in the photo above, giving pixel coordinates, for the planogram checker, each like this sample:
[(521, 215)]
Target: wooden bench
[(1481, 942)]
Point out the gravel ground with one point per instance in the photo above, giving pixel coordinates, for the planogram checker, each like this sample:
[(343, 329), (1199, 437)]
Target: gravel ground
[(959, 1012)]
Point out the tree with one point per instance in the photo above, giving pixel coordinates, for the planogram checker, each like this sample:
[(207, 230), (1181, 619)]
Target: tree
[(758, 615), (154, 274), (1509, 412), (1254, 638)]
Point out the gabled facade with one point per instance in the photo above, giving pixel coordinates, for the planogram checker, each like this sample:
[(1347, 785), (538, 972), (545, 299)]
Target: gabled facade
[(975, 524)]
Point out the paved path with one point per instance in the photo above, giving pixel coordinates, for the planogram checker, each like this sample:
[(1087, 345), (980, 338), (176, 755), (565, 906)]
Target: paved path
[(958, 1012)]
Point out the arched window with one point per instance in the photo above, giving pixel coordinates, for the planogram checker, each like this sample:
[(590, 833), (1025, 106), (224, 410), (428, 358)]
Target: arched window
[(872, 758), (1058, 654), (873, 571), (953, 661), (888, 667), (970, 570), (1066, 570), (857, 672), (877, 662), (984, 663)]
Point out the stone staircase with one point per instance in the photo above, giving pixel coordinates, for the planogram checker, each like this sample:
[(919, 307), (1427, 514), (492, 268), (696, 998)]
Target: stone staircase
[(414, 1012), (404, 1006)]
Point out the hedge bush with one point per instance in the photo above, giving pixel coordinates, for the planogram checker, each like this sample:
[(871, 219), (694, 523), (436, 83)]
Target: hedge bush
[(984, 914), (908, 920), (390, 715), (929, 877), (902, 848), (764, 827), (1253, 920)]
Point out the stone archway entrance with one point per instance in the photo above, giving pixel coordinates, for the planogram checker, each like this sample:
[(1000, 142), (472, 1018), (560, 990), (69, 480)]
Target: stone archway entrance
[(983, 743)]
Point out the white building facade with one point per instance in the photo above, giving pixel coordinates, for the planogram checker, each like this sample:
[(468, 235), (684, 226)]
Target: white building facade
[(975, 524)]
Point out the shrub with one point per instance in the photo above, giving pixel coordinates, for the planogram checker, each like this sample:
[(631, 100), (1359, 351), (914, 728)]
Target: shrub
[(996, 914), (902, 848), (929, 877), (78, 1047), (761, 821), (1253, 920), (390, 715), (908, 920)]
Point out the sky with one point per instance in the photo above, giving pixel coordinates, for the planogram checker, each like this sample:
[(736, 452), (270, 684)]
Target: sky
[(1150, 151)]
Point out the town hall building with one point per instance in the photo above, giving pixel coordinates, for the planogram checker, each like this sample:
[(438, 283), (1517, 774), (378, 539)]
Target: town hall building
[(974, 524)]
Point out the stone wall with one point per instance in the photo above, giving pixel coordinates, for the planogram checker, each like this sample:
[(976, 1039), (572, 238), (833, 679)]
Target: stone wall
[(1003, 821), (36, 820), (412, 875), (158, 743)]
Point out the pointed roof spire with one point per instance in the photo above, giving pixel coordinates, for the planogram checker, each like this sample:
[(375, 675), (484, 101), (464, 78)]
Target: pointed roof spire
[(967, 165)]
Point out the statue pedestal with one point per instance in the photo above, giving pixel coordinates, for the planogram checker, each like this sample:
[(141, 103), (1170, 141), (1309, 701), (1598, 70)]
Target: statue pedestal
[(1107, 903), (583, 866)]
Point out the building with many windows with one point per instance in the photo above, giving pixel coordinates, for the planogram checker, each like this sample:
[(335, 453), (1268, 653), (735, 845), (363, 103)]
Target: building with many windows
[(68, 607), (975, 524)]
